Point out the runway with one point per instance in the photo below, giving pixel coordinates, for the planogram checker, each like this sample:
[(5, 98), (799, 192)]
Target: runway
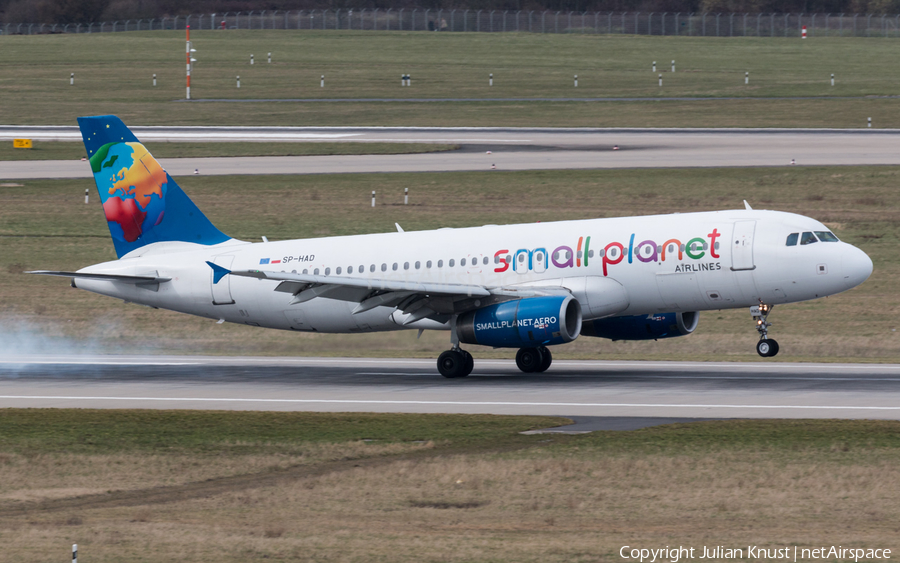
[(510, 149), (570, 388)]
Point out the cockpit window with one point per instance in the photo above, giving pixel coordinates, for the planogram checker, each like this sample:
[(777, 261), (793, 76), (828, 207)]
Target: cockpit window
[(826, 236), (807, 238), (792, 239)]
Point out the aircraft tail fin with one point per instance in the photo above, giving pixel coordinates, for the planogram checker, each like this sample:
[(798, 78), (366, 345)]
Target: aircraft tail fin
[(142, 203)]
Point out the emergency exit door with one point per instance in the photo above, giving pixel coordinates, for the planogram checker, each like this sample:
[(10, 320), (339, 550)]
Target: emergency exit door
[(221, 292)]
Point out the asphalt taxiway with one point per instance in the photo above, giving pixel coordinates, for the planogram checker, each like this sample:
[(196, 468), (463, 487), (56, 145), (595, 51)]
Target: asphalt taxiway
[(675, 390), (510, 149)]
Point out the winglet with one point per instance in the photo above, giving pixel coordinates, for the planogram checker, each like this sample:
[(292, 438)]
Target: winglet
[(747, 206), (218, 271)]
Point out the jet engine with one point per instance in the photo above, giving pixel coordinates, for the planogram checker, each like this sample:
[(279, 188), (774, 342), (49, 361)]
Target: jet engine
[(531, 322), (643, 327)]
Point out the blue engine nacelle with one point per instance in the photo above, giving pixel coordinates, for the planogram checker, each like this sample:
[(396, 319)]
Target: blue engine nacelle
[(536, 321), (643, 327)]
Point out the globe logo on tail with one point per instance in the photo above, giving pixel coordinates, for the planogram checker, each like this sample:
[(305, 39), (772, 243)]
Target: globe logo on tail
[(132, 187)]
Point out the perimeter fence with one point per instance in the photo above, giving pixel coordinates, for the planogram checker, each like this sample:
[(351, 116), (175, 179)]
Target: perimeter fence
[(494, 21)]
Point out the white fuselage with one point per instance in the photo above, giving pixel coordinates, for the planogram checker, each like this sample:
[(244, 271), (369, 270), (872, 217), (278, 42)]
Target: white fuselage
[(665, 263)]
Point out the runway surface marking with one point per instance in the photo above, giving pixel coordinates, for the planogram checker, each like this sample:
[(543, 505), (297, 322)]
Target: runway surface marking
[(571, 388), (444, 403), (256, 361)]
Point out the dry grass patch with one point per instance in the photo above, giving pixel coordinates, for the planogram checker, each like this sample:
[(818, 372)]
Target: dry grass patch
[(534, 508), (56, 475), (563, 499)]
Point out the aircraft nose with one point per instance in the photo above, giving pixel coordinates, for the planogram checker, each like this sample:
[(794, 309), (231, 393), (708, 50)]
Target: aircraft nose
[(856, 265)]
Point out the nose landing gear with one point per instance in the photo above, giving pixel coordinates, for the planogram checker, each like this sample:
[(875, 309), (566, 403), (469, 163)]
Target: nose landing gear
[(766, 347)]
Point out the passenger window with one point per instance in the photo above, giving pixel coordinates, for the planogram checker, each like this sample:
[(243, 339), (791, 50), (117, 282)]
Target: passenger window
[(406, 265), (428, 264), (394, 267), (305, 271), (384, 267), (418, 265), (440, 263), (792, 239), (462, 262), (372, 268), (316, 272), (327, 271), (807, 238), (485, 261), (451, 263), (338, 271), (826, 236)]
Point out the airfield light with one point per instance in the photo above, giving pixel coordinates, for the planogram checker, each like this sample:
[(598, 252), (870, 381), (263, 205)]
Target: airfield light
[(188, 60)]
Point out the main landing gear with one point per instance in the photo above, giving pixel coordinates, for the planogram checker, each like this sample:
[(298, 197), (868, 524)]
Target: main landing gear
[(534, 360), (455, 363), (766, 347)]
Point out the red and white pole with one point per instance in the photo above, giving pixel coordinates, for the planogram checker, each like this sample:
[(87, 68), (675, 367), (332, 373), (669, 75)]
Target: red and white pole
[(803, 33), (187, 54)]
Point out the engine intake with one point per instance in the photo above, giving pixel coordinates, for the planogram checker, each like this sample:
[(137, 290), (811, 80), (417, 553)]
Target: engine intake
[(643, 327), (536, 321)]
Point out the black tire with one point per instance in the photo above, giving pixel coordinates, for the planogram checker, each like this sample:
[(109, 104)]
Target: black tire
[(469, 363), (546, 359), (765, 348), (529, 359), (451, 364)]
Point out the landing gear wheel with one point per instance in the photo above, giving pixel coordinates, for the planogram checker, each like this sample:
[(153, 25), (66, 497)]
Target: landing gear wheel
[(767, 348), (452, 364), (469, 364), (529, 360), (547, 359)]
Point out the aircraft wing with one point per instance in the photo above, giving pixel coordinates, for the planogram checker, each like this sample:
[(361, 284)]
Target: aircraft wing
[(416, 299)]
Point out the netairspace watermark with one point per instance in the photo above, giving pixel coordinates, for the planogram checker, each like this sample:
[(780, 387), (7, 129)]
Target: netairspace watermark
[(790, 553)]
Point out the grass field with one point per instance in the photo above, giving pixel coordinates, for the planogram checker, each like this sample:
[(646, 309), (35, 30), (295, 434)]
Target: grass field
[(216, 486), (45, 225), (113, 75), (56, 150)]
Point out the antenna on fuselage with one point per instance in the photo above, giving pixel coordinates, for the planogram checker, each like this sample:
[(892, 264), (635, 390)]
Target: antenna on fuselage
[(747, 206)]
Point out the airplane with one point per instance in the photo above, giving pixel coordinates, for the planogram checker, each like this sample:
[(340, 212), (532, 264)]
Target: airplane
[(524, 286)]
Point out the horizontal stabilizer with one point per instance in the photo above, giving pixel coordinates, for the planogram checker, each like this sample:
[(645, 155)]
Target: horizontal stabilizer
[(137, 280)]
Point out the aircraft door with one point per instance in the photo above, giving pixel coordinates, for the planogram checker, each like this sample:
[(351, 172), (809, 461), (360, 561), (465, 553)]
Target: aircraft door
[(221, 292), (742, 246)]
